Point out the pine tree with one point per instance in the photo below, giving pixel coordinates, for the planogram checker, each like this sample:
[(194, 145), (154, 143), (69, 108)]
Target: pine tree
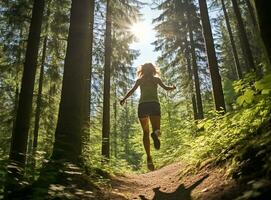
[(68, 136), (20, 133), (106, 95), (212, 60), (19, 138), (233, 46), (194, 60), (40, 86), (243, 38), (88, 73), (263, 9)]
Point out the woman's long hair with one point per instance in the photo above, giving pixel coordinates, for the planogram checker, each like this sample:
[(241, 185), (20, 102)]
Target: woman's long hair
[(147, 70)]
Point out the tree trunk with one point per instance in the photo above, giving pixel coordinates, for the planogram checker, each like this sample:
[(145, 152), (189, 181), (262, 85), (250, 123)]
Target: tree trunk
[(127, 132), (191, 88), (188, 59), (16, 97), (68, 136), (39, 97), (38, 107), (251, 12), (195, 73), (243, 38), (20, 132), (234, 51), (115, 123), (263, 8), (88, 74), (106, 94), (212, 60)]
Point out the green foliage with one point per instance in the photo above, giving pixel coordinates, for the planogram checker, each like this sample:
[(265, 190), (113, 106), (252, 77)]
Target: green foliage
[(220, 136), (252, 89), (263, 85)]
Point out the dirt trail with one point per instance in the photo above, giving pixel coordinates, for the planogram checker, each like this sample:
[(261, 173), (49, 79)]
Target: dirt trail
[(167, 184)]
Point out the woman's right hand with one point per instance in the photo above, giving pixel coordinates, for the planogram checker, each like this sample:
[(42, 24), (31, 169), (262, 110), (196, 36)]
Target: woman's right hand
[(171, 87)]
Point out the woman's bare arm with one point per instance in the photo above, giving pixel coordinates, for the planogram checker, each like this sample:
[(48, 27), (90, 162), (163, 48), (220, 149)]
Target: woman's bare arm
[(130, 92), (165, 86)]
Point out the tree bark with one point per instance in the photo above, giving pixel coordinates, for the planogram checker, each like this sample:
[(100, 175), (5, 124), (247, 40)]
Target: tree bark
[(193, 98), (21, 128), (251, 12), (88, 74), (127, 128), (212, 60), (234, 51), (106, 94), (68, 136), (16, 97), (39, 97), (243, 38), (195, 73), (115, 123), (263, 8)]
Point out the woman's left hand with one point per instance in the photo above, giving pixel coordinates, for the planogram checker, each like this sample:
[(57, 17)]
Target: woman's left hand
[(122, 101)]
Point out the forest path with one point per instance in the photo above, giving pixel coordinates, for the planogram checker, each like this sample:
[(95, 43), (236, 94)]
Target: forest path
[(168, 184)]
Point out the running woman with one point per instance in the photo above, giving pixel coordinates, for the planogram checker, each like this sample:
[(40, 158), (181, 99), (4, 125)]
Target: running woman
[(148, 79)]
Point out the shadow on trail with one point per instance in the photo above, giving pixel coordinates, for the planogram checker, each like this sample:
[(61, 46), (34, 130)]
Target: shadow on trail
[(181, 193)]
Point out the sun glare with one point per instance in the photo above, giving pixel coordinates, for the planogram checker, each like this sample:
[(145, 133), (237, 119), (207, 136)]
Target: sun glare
[(140, 30)]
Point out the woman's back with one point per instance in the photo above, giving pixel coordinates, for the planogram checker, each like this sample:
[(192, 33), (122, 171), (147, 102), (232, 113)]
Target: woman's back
[(148, 107), (148, 89)]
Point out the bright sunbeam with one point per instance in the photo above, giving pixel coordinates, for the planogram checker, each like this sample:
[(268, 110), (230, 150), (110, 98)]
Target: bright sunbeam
[(140, 30)]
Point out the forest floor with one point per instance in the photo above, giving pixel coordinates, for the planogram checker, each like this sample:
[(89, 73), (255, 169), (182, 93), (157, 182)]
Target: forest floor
[(170, 183)]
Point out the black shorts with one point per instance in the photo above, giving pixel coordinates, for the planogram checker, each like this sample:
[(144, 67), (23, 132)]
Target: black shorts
[(149, 109)]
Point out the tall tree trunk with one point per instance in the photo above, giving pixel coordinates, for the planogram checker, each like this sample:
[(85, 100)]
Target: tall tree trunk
[(115, 123), (243, 38), (88, 74), (40, 87), (195, 72), (234, 51), (68, 136), (212, 60), (16, 97), (19, 137), (188, 58), (106, 94), (39, 97), (191, 88), (251, 12), (38, 105), (20, 132), (127, 132), (263, 8), (51, 115)]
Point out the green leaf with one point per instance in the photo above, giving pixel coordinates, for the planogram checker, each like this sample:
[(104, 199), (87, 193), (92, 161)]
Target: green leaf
[(258, 85), (249, 96), (266, 91), (267, 78), (240, 100), (264, 83)]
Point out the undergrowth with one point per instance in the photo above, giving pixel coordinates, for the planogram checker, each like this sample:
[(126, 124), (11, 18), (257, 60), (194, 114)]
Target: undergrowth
[(220, 137), (241, 138)]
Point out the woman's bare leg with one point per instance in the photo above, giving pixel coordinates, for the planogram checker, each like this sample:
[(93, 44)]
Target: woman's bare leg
[(146, 138), (155, 123)]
